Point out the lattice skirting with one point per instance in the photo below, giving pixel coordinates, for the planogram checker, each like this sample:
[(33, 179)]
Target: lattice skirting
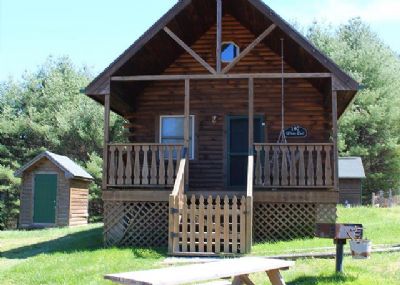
[(286, 221), (136, 223)]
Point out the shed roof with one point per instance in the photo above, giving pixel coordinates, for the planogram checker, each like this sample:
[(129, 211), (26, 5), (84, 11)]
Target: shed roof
[(351, 167), (153, 52), (70, 168)]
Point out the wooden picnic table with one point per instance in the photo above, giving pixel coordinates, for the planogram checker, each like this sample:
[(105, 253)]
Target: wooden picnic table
[(238, 268)]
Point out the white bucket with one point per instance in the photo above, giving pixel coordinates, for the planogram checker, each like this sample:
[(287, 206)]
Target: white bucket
[(360, 249)]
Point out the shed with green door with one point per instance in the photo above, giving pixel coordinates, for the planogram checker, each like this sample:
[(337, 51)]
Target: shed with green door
[(54, 192)]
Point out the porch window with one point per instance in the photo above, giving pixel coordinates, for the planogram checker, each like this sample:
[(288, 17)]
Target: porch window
[(172, 131), (230, 51)]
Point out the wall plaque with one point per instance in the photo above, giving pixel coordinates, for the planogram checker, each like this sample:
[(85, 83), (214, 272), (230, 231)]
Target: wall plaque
[(296, 132)]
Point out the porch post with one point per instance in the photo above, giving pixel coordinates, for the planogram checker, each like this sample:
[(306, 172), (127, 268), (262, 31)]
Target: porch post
[(187, 128), (106, 138), (251, 116), (335, 140), (219, 36), (250, 160)]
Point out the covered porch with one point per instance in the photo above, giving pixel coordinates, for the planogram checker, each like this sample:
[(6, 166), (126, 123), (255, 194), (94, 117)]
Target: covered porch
[(281, 178), (274, 165)]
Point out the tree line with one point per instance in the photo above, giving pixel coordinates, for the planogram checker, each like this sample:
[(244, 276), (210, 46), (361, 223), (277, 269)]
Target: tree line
[(45, 109)]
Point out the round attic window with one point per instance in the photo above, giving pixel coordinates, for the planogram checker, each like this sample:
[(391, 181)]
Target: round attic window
[(230, 51)]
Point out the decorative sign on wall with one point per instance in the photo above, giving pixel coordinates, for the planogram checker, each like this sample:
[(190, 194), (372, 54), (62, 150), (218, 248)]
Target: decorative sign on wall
[(296, 132)]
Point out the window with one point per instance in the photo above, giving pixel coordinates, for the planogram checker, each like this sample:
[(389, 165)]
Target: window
[(229, 51), (172, 131)]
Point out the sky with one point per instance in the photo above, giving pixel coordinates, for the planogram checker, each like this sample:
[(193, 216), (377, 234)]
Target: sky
[(94, 32)]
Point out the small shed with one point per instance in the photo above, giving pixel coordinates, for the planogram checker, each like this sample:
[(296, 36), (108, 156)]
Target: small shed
[(54, 192), (351, 174)]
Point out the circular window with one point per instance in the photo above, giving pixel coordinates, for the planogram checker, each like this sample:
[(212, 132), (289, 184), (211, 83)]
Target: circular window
[(230, 51)]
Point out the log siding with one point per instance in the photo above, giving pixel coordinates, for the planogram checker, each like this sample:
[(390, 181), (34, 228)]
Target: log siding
[(304, 105)]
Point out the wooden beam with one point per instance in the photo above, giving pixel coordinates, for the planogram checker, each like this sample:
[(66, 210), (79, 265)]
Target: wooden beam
[(249, 223), (187, 128), (106, 138), (290, 195), (251, 116), (189, 50), (250, 169), (220, 76), (219, 36), (335, 140), (133, 195), (249, 48)]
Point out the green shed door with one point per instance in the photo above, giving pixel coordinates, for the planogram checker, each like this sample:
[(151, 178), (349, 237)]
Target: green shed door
[(45, 195)]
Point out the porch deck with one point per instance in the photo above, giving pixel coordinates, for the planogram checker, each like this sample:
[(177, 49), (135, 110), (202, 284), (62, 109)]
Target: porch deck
[(149, 182)]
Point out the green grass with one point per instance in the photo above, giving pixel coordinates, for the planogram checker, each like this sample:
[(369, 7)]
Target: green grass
[(382, 226), (76, 256)]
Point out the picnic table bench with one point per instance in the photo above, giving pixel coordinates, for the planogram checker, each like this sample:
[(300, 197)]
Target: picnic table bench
[(239, 269)]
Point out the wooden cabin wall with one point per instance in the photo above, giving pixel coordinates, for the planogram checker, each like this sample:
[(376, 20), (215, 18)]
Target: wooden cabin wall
[(304, 104), (79, 202), (350, 191)]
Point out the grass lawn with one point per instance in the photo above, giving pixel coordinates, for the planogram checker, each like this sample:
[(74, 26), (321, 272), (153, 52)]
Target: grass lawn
[(76, 256)]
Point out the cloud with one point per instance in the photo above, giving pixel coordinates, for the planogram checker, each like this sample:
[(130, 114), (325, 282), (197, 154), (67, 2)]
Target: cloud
[(372, 11)]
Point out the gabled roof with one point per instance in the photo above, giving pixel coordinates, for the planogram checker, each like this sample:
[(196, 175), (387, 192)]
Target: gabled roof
[(190, 19), (351, 167), (70, 168)]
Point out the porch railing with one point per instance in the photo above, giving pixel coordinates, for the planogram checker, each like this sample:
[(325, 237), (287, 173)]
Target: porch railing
[(294, 165), (142, 164)]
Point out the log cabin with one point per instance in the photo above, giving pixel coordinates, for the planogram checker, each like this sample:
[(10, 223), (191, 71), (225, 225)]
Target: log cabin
[(232, 125)]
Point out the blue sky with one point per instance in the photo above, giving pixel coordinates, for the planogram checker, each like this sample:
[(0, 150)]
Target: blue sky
[(95, 32)]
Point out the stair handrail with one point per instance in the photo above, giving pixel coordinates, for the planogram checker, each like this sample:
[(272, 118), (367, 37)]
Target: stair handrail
[(179, 185), (249, 203), (250, 175), (176, 202)]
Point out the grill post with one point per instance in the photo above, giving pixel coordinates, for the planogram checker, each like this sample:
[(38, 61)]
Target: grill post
[(339, 254)]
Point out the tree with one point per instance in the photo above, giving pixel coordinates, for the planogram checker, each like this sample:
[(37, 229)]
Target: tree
[(369, 128), (46, 110)]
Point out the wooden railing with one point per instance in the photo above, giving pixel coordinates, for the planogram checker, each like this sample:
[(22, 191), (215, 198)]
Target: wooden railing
[(294, 165), (208, 224), (142, 164), (199, 224)]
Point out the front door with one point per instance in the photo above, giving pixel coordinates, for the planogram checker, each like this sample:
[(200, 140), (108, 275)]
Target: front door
[(45, 195), (238, 147)]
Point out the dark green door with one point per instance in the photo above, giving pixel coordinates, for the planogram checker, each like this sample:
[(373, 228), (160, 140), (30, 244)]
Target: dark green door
[(45, 195), (238, 147)]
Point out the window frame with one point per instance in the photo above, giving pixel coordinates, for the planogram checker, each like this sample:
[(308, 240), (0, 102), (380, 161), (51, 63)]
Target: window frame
[(238, 51), (192, 135)]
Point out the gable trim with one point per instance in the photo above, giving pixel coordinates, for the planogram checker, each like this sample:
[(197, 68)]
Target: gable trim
[(135, 47), (101, 84)]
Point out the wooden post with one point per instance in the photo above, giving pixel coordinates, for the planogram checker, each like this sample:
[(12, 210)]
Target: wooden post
[(219, 35), (106, 139), (251, 116), (171, 206), (187, 128), (335, 139), (249, 206), (249, 223)]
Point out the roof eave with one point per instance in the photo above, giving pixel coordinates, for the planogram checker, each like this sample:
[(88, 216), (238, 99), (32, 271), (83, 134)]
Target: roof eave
[(90, 90), (345, 78)]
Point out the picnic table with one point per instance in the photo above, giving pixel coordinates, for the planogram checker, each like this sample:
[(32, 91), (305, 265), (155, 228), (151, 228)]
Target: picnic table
[(238, 269)]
